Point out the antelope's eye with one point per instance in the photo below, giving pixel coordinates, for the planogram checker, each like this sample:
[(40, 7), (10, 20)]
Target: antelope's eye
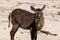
[(36, 14)]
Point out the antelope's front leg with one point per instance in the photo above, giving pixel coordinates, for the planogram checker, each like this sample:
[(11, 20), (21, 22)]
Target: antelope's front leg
[(33, 34)]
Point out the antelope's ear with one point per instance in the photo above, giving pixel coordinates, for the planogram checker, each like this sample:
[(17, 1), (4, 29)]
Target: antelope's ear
[(32, 8), (43, 8)]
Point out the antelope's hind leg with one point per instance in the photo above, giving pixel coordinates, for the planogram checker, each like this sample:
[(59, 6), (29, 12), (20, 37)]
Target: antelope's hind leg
[(13, 31)]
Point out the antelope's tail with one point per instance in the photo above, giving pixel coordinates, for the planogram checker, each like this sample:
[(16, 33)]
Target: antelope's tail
[(9, 21)]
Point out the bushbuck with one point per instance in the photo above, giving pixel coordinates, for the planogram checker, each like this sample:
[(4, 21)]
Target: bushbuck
[(27, 20)]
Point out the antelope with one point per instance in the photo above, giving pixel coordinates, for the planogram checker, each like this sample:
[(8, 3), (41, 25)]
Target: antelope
[(27, 20)]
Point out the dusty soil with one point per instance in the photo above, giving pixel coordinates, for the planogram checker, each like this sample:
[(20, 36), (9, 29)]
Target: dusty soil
[(51, 16)]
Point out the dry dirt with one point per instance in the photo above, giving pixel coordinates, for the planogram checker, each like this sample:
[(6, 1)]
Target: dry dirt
[(51, 16)]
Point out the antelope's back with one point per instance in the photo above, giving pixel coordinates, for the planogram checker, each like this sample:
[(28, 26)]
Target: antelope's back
[(24, 18)]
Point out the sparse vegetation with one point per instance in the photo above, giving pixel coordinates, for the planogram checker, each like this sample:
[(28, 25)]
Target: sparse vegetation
[(58, 13)]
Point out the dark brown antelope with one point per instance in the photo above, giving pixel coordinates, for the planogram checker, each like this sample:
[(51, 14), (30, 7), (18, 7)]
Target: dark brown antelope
[(27, 20)]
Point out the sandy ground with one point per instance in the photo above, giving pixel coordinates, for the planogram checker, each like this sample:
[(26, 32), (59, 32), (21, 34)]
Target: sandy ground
[(52, 19)]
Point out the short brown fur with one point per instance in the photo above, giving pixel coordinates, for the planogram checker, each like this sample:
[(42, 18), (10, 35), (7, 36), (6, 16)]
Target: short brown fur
[(26, 20)]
